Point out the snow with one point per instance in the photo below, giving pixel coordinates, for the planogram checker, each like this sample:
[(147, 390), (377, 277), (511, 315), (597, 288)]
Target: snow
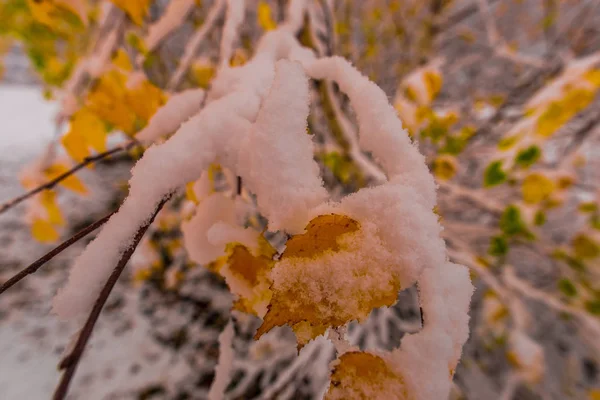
[(24, 133), (225, 365), (178, 109), (215, 218), (27, 122), (31, 339), (277, 162)]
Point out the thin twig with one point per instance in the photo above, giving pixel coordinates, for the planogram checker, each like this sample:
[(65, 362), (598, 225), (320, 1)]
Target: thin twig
[(31, 269), (50, 184), (70, 362)]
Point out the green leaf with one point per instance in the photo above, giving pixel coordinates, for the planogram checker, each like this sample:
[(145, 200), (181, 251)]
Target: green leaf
[(527, 157), (567, 287), (593, 307), (540, 218), (494, 175), (342, 167), (454, 145), (512, 224), (435, 130), (498, 246)]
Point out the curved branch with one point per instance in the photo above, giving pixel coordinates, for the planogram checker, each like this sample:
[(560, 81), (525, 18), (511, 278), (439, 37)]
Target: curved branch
[(70, 362)]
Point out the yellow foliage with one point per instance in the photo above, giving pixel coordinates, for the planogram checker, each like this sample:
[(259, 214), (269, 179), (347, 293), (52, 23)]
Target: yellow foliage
[(145, 99), (508, 142), (594, 394), (43, 231), (203, 73), (90, 128), (361, 375), (108, 101), (48, 201), (247, 275), (593, 77), (135, 9), (444, 167), (305, 314), (127, 109), (246, 266), (561, 111), (189, 192), (75, 145), (142, 275), (265, 19), (239, 58), (536, 188), (585, 247), (121, 60), (433, 83), (52, 12), (321, 235)]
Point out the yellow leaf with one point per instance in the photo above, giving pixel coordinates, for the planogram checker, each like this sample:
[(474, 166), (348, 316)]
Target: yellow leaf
[(536, 188), (135, 9), (433, 83), (265, 20), (90, 128), (75, 145), (562, 110), (239, 58), (593, 76), (145, 99), (594, 394), (42, 11), (121, 60), (321, 235), (142, 275), (48, 200), (307, 315), (72, 182), (444, 167), (189, 192), (43, 231), (108, 100), (76, 7), (585, 247), (509, 142), (203, 74), (247, 276), (362, 375)]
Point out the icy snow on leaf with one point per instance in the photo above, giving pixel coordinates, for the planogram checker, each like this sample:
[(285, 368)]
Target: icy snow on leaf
[(326, 277)]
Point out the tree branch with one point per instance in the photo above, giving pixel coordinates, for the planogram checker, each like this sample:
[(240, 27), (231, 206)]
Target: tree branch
[(70, 362), (50, 184), (31, 269)]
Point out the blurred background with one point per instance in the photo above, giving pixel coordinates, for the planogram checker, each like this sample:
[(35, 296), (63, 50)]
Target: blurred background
[(500, 95)]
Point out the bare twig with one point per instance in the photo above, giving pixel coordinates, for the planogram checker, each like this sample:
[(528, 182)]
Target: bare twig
[(70, 362), (50, 184), (31, 269)]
